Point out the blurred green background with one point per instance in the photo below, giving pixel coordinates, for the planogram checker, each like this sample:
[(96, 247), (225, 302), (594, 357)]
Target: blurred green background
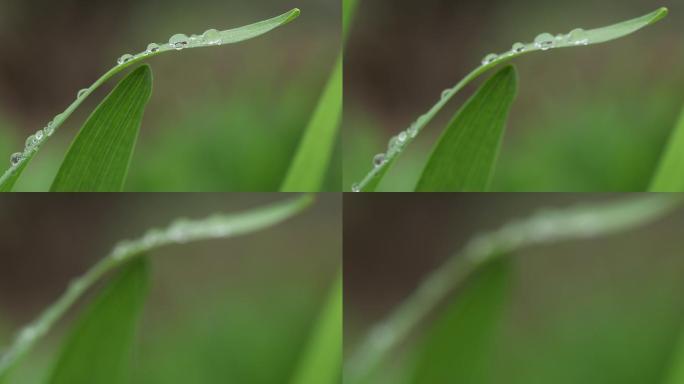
[(606, 310), (234, 310), (224, 119), (588, 119)]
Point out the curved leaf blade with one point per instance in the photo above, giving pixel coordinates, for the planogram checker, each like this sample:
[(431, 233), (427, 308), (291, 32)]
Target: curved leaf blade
[(311, 161), (463, 158), (229, 36), (669, 176), (593, 36), (98, 349), (321, 361), (458, 345), (99, 156)]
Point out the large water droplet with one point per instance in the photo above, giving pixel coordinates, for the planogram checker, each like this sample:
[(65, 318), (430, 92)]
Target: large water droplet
[(81, 93), (379, 159), (178, 41), (356, 187), (124, 59), (489, 58), (212, 36), (544, 41), (578, 37), (152, 48), (518, 47), (16, 158)]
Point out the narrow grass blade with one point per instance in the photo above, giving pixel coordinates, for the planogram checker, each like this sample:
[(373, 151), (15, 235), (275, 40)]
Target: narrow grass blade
[(348, 10), (669, 176), (589, 37), (179, 232), (463, 159), (99, 156), (584, 221), (229, 36), (458, 345), (312, 159), (98, 349), (675, 372), (321, 362)]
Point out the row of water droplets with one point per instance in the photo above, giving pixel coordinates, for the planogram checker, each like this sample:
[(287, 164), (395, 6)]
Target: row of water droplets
[(177, 42), (543, 41)]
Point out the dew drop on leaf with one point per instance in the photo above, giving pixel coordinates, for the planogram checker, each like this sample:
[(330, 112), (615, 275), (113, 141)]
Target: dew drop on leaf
[(178, 41), (544, 41), (81, 93), (402, 137), (152, 48), (15, 158), (124, 59), (379, 159), (518, 47), (578, 37), (489, 58), (355, 187), (212, 36)]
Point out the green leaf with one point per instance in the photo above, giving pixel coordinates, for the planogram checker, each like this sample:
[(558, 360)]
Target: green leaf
[(321, 362), (593, 36), (311, 161), (98, 349), (99, 156), (229, 36), (463, 159), (669, 176), (458, 345)]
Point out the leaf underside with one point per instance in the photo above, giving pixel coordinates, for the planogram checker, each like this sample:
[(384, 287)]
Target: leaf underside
[(99, 157), (463, 158)]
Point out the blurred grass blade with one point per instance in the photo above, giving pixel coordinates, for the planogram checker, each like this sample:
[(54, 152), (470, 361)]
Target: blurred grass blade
[(463, 159), (229, 36), (589, 37), (675, 375), (458, 345), (321, 362), (669, 176), (312, 159), (348, 11), (99, 156), (98, 348)]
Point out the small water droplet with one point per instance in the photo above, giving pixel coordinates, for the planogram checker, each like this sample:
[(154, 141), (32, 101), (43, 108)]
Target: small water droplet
[(82, 93), (578, 37), (178, 41), (50, 128), (392, 143), (379, 159), (402, 137), (125, 59), (152, 48), (30, 141), (445, 93), (544, 41), (356, 187), (489, 58), (38, 136), (16, 158), (412, 130), (518, 47), (212, 36)]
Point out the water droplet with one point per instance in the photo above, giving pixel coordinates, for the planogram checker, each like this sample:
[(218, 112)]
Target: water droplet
[(81, 93), (16, 158), (402, 137), (356, 187), (392, 143), (544, 41), (38, 136), (578, 37), (29, 141), (445, 93), (50, 128), (212, 36), (518, 47), (489, 58), (178, 41), (152, 48), (125, 59), (379, 159), (412, 130)]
